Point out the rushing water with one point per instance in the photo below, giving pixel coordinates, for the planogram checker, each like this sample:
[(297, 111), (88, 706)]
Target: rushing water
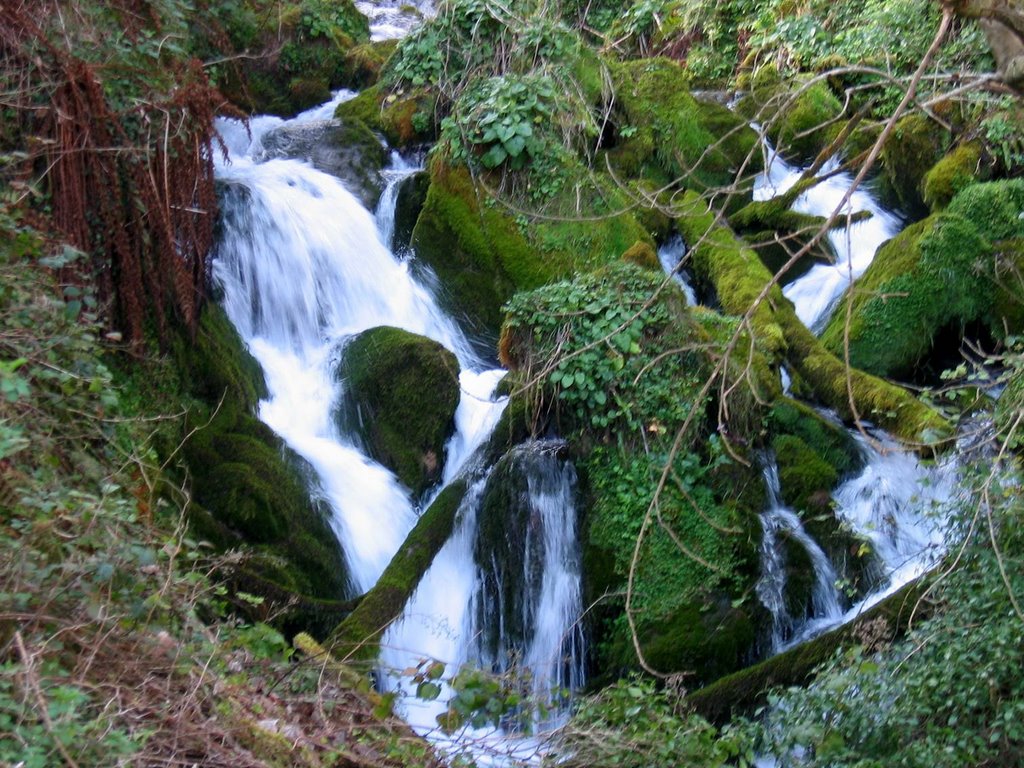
[(672, 255), (303, 266), (896, 502), (394, 19), (513, 613), (778, 521), (816, 293)]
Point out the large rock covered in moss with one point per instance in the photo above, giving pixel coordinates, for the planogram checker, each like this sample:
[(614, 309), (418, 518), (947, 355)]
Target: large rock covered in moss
[(915, 146), (958, 169), (404, 389), (483, 255), (939, 274)]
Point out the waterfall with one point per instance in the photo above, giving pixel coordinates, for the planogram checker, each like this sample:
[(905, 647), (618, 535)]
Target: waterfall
[(302, 268), (899, 504), (397, 171), (671, 256), (505, 615), (816, 293), (777, 521)]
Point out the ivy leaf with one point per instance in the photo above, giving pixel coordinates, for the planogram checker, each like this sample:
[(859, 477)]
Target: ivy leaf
[(428, 691), (515, 146), (494, 157)]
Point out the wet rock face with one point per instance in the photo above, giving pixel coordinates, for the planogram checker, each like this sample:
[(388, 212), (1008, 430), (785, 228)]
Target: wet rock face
[(349, 151), (402, 391)]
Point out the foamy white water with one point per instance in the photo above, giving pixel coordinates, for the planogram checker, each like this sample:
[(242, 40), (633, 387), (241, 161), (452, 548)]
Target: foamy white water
[(817, 292), (302, 268)]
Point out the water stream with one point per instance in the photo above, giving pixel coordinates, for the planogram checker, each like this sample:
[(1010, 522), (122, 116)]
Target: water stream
[(816, 293), (896, 501), (779, 522)]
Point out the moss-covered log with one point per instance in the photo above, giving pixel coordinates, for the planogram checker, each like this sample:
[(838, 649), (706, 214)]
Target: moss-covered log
[(741, 692), (740, 278), (359, 634)]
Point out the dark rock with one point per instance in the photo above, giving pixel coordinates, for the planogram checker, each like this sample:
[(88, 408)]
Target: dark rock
[(347, 150)]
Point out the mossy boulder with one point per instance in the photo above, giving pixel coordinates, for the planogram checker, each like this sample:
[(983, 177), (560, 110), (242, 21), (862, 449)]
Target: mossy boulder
[(483, 255), (247, 487), (707, 640), (664, 134), (741, 692), (404, 390), (994, 208), (347, 150), (405, 118), (914, 147), (957, 169), (799, 116), (935, 275)]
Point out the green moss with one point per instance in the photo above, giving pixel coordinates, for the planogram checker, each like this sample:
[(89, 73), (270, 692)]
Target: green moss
[(807, 125), (468, 245), (294, 58), (643, 255), (405, 389), (956, 170), (357, 636), (994, 208), (483, 255), (218, 365), (799, 116), (365, 62), (364, 108), (934, 273), (739, 278), (706, 640), (806, 478), (665, 134), (915, 146), (247, 489), (741, 692), (828, 441)]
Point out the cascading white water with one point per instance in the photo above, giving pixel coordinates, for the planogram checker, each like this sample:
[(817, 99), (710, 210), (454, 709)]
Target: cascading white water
[(394, 19), (453, 612), (826, 601), (302, 268), (671, 255), (397, 171), (816, 293)]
